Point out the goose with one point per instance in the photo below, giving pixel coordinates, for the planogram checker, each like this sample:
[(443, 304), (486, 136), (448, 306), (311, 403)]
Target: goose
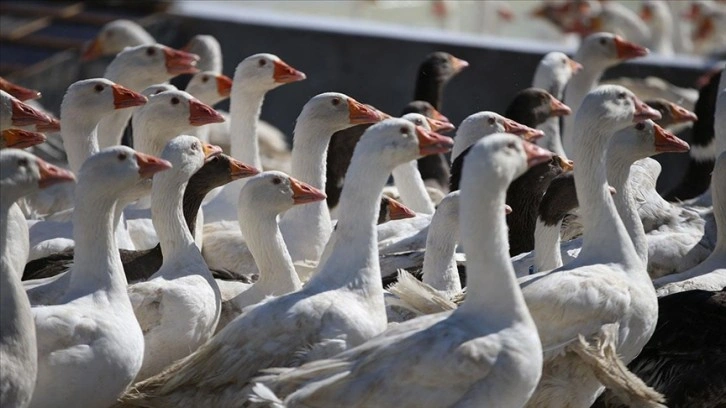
[(277, 275), (14, 113), (84, 104), (90, 345), (178, 306), (671, 114), (552, 74), (426, 356), (687, 344), (657, 15), (711, 273), (341, 307), (139, 265), (597, 52), (608, 266), (137, 68), (114, 37), (533, 106), (19, 92), (210, 88), (209, 51), (254, 77), (21, 173)]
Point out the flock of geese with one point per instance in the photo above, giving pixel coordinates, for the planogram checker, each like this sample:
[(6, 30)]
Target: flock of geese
[(540, 269)]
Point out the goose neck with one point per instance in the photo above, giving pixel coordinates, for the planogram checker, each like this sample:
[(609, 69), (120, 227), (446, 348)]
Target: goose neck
[(604, 235), (412, 188), (439, 265), (167, 215), (79, 136), (429, 89), (547, 254), (552, 140), (618, 173), (111, 127), (97, 264), (265, 242), (310, 151), (353, 259), (245, 108)]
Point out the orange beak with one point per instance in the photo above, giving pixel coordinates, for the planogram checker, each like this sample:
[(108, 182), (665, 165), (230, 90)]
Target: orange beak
[(150, 165), (25, 115), (399, 211), (646, 13), (525, 132), (17, 91), (575, 66), (210, 150), (224, 85), (535, 154), (20, 139), (558, 108), (126, 98), (202, 114), (51, 175), (644, 112), (627, 49), (303, 193), (505, 13), (180, 62), (50, 127), (440, 126), (566, 165), (285, 74), (704, 29), (438, 115), (92, 51), (458, 64), (666, 141), (359, 113), (238, 170), (431, 143), (681, 114)]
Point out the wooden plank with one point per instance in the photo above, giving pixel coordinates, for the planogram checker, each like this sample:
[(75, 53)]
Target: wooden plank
[(46, 41), (28, 27), (40, 10)]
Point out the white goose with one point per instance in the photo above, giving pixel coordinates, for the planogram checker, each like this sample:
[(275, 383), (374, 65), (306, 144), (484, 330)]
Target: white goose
[(711, 273), (210, 88), (85, 103), (597, 53), (137, 68), (254, 77), (261, 200), (90, 345), (341, 307), (178, 307), (606, 292), (22, 173), (114, 37), (553, 73), (486, 353), (16, 114)]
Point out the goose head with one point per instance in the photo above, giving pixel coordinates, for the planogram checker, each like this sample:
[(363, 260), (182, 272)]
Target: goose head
[(218, 170), (210, 87), (335, 111), (503, 157), (425, 109), (145, 65), (481, 124), (92, 99), (535, 106), (392, 210), (428, 123), (209, 51), (187, 155), (614, 107), (556, 68), (645, 139), (14, 113), (22, 173), (560, 199), (20, 93), (20, 139), (264, 72), (604, 50), (274, 192), (114, 37), (670, 112), (396, 141), (156, 89), (442, 66), (117, 170)]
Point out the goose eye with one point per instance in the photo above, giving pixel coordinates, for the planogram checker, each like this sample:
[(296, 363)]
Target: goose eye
[(121, 156), (335, 101), (109, 34), (22, 162), (640, 126), (603, 41), (205, 79), (276, 181), (511, 145), (175, 101), (262, 63), (150, 51), (404, 130), (158, 91), (195, 146), (491, 121), (98, 88), (564, 61)]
